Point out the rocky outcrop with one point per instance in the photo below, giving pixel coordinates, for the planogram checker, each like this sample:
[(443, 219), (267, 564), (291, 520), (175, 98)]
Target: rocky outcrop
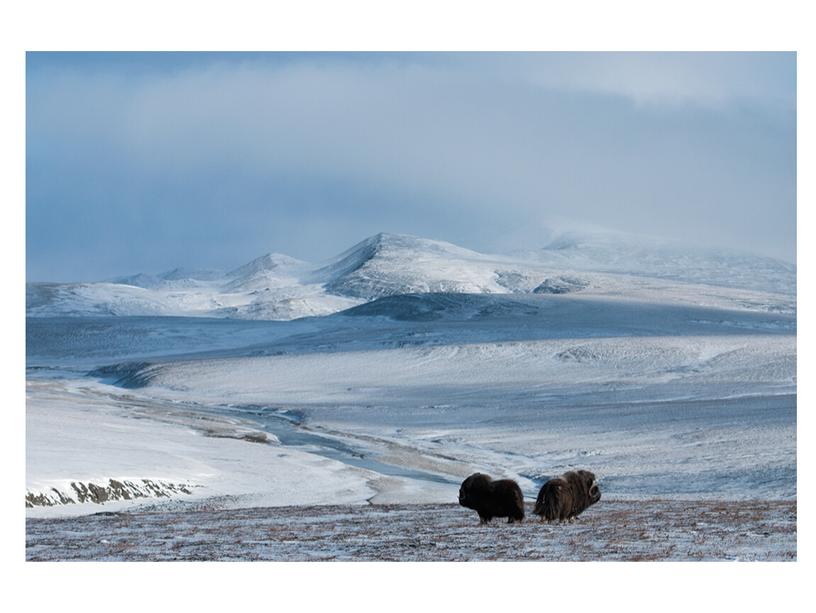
[(79, 492)]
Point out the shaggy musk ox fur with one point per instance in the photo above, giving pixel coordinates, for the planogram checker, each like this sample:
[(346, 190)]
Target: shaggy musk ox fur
[(492, 498), (567, 496)]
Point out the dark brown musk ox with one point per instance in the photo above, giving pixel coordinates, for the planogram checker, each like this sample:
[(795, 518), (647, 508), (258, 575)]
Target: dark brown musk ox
[(491, 499), (566, 497)]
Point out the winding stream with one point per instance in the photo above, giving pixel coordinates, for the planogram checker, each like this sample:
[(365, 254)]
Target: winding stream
[(286, 426)]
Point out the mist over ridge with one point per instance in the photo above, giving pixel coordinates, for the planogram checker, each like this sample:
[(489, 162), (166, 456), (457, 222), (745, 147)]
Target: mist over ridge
[(140, 161)]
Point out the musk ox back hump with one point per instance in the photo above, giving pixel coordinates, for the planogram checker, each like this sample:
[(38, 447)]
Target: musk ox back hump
[(491, 499), (554, 500)]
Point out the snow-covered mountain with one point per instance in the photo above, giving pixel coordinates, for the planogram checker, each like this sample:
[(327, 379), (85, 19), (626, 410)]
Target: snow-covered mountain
[(646, 256), (276, 286), (390, 264)]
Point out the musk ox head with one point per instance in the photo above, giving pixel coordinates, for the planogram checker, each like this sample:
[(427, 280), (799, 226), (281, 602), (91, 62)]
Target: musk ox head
[(591, 484), (473, 489)]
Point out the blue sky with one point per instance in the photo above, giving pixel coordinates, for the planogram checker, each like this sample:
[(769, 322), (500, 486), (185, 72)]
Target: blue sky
[(148, 161)]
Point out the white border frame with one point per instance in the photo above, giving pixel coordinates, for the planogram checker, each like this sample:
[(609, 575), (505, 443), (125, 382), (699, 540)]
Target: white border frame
[(382, 26)]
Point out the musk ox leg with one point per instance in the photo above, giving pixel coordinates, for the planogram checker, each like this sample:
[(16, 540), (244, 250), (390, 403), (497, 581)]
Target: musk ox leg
[(484, 520)]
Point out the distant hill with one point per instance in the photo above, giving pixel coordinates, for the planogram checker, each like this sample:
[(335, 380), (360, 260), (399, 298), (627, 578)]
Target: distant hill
[(276, 286)]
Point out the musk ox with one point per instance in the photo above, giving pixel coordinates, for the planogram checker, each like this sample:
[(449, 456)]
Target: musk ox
[(566, 497), (491, 499)]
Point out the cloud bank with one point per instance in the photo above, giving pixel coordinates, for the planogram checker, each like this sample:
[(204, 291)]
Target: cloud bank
[(146, 161)]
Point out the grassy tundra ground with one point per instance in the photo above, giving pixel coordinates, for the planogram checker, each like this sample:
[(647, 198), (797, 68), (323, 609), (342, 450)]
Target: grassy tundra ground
[(611, 530)]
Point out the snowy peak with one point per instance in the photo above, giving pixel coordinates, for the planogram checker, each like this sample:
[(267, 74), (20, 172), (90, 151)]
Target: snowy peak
[(177, 277), (389, 264), (350, 260), (272, 270), (394, 244), (267, 263), (395, 247)]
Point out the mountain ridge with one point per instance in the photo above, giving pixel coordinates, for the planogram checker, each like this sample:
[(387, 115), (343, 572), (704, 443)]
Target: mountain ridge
[(278, 286)]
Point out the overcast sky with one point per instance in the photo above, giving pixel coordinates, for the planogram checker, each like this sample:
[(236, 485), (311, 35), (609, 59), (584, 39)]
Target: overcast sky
[(145, 162)]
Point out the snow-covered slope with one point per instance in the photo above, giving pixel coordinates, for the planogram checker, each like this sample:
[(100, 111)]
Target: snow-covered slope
[(638, 255), (389, 264), (431, 362), (661, 399), (166, 453), (278, 287), (270, 270)]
